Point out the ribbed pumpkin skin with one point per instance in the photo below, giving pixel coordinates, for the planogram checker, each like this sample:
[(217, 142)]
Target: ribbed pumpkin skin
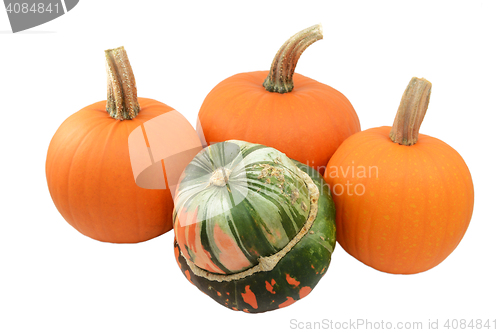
[(294, 276), (225, 231), (90, 177), (308, 124), (414, 214)]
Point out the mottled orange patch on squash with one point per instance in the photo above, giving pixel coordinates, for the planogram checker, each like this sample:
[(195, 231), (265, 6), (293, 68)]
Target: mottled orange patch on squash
[(269, 286), (177, 254), (292, 281), (289, 301), (304, 291), (249, 297)]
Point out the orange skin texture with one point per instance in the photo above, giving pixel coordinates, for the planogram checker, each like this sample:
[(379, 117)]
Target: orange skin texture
[(308, 124), (410, 217), (91, 182)]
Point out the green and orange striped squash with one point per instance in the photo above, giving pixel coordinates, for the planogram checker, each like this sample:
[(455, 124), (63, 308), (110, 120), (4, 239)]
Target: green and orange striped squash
[(254, 230)]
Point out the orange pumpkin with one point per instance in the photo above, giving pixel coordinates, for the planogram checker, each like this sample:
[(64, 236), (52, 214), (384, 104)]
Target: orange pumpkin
[(303, 118), (89, 169), (402, 205)]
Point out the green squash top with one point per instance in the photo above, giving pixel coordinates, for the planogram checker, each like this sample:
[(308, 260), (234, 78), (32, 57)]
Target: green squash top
[(237, 202)]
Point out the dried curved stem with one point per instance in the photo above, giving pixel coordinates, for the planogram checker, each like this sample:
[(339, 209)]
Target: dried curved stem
[(411, 112), (280, 78), (122, 100)]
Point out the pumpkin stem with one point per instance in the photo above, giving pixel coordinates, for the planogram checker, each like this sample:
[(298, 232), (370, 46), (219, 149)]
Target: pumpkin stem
[(411, 112), (280, 78), (220, 177), (122, 100)]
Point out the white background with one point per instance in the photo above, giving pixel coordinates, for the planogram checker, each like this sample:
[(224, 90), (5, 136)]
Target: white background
[(53, 279)]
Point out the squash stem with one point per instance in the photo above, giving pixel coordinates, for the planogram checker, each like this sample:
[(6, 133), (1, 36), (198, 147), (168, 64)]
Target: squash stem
[(280, 77), (122, 100), (411, 112)]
